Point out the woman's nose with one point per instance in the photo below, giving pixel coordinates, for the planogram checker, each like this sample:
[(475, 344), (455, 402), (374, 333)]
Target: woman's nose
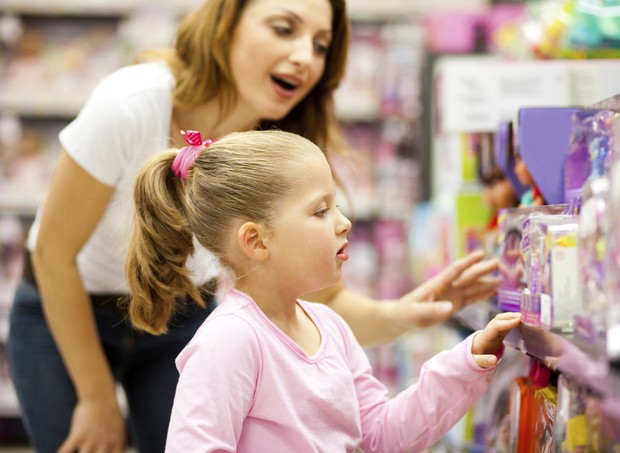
[(303, 52)]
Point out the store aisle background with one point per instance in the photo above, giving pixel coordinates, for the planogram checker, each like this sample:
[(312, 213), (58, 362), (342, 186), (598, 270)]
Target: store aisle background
[(406, 104)]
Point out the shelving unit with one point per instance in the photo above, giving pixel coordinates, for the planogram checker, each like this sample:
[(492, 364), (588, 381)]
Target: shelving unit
[(583, 359)]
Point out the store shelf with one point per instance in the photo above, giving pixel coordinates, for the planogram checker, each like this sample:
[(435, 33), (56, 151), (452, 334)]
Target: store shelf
[(93, 8), (21, 204), (42, 103), (102, 8), (407, 9), (583, 359)]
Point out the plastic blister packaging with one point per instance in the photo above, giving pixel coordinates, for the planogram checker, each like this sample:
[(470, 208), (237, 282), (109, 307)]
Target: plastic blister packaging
[(591, 255), (561, 294), (511, 266), (532, 249)]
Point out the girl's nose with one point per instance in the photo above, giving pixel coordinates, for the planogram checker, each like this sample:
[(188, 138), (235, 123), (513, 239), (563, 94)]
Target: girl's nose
[(344, 225)]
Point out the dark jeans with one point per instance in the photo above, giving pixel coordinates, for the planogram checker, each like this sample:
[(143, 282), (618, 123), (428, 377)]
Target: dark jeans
[(143, 364)]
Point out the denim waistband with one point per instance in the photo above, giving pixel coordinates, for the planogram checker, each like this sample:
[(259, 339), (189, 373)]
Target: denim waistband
[(115, 301)]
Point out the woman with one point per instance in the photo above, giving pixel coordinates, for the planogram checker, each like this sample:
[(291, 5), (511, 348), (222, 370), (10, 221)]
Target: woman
[(237, 65)]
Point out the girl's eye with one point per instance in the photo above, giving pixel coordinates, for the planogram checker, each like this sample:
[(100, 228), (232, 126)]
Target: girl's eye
[(321, 212)]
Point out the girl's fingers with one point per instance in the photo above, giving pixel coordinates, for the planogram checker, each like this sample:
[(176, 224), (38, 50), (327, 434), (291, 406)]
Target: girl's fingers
[(488, 340), (485, 360), (504, 322)]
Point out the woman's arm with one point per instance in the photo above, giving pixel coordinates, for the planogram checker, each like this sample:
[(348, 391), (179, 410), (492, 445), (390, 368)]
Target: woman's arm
[(463, 282), (74, 206)]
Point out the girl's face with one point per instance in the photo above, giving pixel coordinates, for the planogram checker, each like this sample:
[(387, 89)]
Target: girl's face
[(277, 54), (309, 236)]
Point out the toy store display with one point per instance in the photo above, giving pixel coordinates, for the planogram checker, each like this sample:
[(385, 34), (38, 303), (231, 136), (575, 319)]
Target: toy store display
[(552, 264), (560, 267), (568, 29), (612, 261), (591, 256), (549, 266), (511, 264), (552, 412)]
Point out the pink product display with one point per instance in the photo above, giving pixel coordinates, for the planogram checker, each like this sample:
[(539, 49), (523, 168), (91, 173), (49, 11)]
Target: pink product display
[(359, 92), (63, 57), (591, 256), (454, 32), (383, 72), (590, 149), (394, 278), (362, 269), (511, 266), (612, 260)]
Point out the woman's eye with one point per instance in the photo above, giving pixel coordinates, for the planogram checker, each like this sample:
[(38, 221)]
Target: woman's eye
[(282, 30), (321, 48)]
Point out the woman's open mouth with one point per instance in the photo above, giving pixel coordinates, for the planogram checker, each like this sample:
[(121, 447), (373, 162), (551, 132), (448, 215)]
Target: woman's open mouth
[(285, 87)]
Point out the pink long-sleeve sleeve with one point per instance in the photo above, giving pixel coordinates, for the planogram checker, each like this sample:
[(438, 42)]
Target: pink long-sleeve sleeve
[(449, 384)]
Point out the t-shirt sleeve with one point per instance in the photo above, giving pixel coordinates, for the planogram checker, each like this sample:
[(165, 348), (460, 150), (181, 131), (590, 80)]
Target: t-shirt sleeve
[(99, 139), (219, 370)]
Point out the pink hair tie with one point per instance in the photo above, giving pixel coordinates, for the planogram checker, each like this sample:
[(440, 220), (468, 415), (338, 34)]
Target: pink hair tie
[(188, 154)]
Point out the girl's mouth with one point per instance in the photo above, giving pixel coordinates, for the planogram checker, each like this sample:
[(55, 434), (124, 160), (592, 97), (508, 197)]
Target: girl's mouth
[(341, 253)]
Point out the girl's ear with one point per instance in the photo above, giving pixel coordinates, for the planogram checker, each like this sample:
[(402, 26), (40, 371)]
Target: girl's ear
[(251, 240)]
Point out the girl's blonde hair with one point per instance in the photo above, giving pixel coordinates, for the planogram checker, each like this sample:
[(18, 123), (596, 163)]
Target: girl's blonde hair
[(243, 176), (201, 67)]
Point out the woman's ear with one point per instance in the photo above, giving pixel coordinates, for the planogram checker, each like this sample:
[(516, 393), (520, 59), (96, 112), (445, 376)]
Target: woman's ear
[(251, 238)]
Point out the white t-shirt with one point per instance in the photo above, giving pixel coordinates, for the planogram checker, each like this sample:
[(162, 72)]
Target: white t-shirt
[(125, 121)]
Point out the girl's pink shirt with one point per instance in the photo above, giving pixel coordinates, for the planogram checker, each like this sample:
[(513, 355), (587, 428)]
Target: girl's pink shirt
[(245, 386)]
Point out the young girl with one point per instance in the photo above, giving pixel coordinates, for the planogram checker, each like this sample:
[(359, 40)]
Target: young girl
[(268, 371)]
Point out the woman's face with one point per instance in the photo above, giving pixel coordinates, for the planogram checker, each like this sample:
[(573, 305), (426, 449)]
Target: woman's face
[(278, 53)]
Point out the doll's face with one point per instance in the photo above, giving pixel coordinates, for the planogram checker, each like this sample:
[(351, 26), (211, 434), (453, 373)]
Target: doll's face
[(522, 172), (501, 194)]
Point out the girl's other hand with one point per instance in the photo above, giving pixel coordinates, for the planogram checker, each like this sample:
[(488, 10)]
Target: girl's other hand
[(488, 343)]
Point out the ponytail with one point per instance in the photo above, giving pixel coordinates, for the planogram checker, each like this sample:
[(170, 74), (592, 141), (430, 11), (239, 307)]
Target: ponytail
[(159, 247)]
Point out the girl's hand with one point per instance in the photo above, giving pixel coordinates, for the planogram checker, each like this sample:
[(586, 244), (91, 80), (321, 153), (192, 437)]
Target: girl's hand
[(96, 427), (488, 342), (462, 283)]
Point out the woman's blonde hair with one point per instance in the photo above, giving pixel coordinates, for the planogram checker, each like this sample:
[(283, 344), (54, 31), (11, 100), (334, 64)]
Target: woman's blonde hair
[(240, 177), (201, 67)]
